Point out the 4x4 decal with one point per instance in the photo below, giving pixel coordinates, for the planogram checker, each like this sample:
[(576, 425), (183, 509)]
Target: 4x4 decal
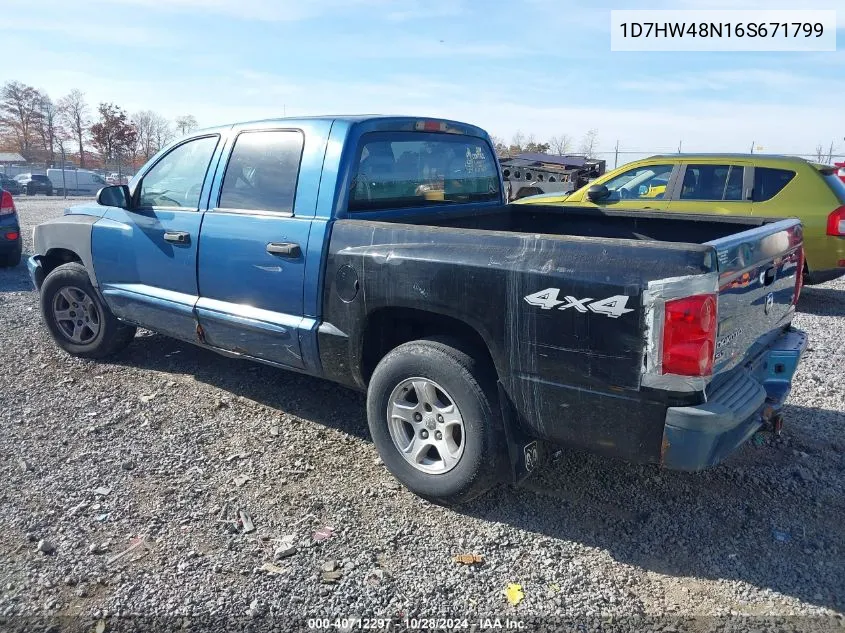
[(613, 307)]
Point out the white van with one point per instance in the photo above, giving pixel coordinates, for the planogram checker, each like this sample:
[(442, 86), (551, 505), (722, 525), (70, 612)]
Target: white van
[(76, 181)]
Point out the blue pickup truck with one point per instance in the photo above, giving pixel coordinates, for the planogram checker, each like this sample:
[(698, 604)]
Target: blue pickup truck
[(380, 253)]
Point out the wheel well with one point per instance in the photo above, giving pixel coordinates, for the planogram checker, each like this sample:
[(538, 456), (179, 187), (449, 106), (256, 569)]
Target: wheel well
[(390, 327), (55, 257)]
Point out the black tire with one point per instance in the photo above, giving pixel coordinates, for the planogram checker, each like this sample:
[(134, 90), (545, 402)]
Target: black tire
[(471, 385), (113, 335)]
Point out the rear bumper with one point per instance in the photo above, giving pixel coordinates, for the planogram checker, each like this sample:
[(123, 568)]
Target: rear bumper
[(8, 228), (698, 437)]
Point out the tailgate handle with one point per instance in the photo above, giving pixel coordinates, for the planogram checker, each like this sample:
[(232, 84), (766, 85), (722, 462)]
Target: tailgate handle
[(769, 276)]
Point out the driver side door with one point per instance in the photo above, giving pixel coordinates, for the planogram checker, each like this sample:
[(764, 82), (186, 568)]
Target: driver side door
[(145, 257)]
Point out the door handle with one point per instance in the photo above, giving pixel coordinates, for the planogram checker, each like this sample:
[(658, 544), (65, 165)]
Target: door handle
[(177, 237), (284, 249)]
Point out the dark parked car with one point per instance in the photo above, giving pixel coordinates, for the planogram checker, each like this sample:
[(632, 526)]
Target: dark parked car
[(10, 231), (36, 183), (10, 185)]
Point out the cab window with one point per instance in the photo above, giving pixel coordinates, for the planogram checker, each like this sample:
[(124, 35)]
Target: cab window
[(643, 183), (262, 172), (176, 180), (712, 182), (415, 169)]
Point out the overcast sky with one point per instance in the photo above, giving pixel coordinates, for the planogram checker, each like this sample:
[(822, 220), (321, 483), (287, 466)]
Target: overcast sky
[(544, 68)]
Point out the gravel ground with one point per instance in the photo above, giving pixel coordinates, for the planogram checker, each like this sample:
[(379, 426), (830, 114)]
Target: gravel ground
[(159, 448)]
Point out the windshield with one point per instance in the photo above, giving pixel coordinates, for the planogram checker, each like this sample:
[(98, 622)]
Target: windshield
[(415, 169)]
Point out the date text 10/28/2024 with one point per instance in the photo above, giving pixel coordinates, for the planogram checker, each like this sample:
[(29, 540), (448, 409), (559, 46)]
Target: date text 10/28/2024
[(421, 623)]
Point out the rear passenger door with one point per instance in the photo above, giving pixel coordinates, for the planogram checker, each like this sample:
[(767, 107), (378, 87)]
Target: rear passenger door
[(722, 188), (251, 266)]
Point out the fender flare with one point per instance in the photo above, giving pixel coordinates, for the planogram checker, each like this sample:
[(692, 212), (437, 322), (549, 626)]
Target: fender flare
[(71, 233)]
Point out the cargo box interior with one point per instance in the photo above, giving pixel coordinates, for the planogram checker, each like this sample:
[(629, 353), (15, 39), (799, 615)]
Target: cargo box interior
[(625, 224)]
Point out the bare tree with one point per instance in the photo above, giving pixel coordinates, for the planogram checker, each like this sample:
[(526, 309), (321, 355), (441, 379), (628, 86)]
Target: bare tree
[(186, 124), (143, 121), (589, 143), (820, 153), (532, 146), (517, 142), (49, 127), (163, 131), (20, 113), (74, 114), (154, 132), (561, 145), (500, 147)]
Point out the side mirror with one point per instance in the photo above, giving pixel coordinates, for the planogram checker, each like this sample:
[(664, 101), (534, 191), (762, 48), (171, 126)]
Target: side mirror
[(598, 192), (114, 196)]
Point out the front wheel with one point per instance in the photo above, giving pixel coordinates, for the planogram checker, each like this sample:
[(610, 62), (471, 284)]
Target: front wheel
[(433, 415), (80, 323)]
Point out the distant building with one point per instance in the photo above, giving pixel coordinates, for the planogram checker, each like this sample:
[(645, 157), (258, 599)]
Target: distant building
[(10, 159)]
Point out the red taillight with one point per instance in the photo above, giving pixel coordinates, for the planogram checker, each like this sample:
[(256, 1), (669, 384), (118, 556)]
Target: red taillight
[(799, 276), (7, 204), (12, 235), (836, 222), (689, 335)]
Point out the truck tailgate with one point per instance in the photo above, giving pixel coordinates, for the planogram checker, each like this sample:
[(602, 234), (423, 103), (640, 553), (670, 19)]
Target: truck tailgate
[(759, 272)]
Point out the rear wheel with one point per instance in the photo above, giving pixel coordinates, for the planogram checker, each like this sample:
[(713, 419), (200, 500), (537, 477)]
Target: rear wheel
[(434, 418), (80, 323)]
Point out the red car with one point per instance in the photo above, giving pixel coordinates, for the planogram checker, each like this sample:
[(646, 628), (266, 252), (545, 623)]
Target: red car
[(841, 171)]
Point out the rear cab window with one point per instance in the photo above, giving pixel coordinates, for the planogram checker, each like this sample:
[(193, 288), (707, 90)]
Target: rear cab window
[(769, 182), (396, 170)]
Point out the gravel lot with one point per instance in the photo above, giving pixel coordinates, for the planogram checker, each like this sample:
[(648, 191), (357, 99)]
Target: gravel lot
[(167, 441)]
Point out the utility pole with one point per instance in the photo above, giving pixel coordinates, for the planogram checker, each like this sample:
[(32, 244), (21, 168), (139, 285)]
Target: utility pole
[(830, 154), (616, 155), (64, 185), (680, 145), (752, 146)]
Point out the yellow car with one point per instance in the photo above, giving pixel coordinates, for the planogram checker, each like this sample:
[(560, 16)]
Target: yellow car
[(730, 184)]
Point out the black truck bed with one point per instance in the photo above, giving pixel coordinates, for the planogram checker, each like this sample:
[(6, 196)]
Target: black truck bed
[(575, 372)]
